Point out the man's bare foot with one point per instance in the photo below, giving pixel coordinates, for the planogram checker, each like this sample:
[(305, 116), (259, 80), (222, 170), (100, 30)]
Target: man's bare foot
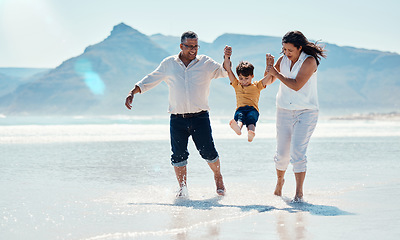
[(220, 185), (233, 124), (182, 192), (250, 135), (279, 186), (221, 192)]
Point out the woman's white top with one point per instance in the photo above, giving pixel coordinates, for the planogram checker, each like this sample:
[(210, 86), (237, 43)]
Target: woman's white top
[(306, 97)]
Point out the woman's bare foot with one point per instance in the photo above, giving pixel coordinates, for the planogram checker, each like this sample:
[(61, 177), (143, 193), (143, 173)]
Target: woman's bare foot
[(233, 124), (250, 135), (298, 199), (220, 185), (279, 186)]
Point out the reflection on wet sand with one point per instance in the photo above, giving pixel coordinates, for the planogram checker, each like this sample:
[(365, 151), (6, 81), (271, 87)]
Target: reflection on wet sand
[(288, 227), (182, 221)]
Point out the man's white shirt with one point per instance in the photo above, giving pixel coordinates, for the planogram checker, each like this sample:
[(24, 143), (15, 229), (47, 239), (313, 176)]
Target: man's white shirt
[(189, 87)]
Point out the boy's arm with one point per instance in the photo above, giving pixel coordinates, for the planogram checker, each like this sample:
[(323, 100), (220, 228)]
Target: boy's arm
[(267, 80), (227, 66), (228, 63)]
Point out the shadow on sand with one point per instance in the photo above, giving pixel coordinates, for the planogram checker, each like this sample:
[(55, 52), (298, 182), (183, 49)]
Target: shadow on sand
[(321, 210), (208, 204)]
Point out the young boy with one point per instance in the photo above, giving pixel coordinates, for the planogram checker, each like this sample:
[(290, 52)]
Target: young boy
[(247, 95)]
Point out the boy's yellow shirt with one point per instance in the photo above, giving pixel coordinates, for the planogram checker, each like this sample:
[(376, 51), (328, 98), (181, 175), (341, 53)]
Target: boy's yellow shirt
[(247, 95)]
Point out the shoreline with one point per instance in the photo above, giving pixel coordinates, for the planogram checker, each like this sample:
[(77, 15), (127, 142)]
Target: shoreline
[(392, 116)]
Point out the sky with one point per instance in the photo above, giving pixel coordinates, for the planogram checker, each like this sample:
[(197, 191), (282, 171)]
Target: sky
[(44, 33)]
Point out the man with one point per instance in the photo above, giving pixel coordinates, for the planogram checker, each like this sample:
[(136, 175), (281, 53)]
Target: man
[(188, 77)]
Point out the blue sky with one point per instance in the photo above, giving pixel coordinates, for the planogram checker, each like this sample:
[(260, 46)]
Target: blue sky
[(44, 33)]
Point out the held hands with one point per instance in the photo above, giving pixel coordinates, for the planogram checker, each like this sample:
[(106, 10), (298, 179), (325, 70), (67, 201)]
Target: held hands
[(227, 55), (270, 63), (227, 52), (270, 60)]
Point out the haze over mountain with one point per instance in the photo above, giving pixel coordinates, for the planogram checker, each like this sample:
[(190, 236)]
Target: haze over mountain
[(97, 81), (11, 78)]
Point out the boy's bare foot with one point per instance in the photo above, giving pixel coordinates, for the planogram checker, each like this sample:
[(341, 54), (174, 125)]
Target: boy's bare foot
[(220, 185), (279, 186), (250, 135), (235, 127)]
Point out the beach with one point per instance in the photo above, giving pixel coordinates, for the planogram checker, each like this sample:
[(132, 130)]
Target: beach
[(112, 179)]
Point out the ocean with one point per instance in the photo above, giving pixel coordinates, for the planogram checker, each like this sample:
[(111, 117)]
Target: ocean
[(110, 178)]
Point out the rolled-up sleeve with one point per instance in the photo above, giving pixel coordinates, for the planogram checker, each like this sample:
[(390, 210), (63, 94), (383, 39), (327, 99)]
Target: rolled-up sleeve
[(152, 79), (219, 71)]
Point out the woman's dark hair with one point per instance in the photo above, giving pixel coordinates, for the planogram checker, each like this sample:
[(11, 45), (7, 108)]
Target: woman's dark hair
[(245, 68), (299, 40)]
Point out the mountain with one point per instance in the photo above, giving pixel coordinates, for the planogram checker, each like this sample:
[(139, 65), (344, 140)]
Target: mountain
[(11, 78), (95, 82), (22, 72), (360, 79), (98, 80), (7, 84)]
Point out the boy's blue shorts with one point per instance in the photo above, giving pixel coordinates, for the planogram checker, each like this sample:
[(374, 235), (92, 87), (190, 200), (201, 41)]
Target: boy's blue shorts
[(247, 115)]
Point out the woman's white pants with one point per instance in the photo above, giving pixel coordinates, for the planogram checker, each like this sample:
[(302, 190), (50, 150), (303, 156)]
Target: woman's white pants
[(294, 129)]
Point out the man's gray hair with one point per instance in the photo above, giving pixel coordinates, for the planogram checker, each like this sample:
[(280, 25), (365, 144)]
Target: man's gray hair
[(188, 34)]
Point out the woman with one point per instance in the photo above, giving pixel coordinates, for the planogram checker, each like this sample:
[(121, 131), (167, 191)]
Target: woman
[(297, 105)]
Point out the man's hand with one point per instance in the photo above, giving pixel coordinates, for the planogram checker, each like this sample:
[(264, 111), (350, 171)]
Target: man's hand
[(128, 101), (129, 98)]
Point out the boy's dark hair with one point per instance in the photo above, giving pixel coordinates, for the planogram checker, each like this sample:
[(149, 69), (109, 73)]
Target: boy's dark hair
[(245, 68), (188, 34)]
